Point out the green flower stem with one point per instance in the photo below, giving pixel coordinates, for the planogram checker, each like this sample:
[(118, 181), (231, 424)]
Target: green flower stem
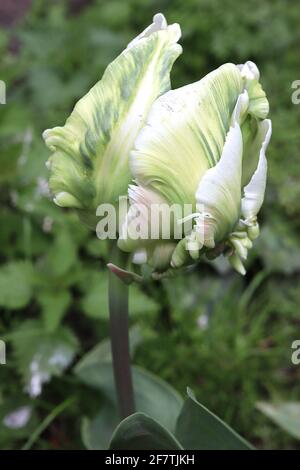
[(118, 312)]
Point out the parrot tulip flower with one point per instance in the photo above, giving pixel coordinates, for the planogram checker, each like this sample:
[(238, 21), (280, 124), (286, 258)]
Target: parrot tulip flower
[(89, 164), (203, 145)]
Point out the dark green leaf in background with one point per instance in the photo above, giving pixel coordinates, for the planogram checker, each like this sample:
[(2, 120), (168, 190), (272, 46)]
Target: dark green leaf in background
[(285, 414), (40, 355), (97, 431), (54, 304), (16, 284)]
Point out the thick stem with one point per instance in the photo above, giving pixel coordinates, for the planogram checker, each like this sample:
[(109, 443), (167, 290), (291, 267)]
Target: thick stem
[(118, 310)]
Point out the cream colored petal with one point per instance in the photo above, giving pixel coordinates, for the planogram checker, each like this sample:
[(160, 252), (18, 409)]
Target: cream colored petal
[(255, 190), (219, 192), (185, 134), (237, 264), (91, 151)]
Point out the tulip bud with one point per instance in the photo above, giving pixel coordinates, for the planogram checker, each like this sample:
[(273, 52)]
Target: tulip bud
[(204, 145), (89, 164)]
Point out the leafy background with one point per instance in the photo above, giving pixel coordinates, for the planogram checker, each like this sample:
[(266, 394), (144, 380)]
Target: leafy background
[(227, 337)]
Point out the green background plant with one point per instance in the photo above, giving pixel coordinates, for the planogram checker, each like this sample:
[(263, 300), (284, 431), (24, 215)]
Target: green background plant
[(228, 338)]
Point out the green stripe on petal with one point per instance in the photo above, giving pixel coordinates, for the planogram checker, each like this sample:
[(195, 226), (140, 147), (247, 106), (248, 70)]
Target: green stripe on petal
[(91, 151), (255, 190), (219, 192), (185, 134)]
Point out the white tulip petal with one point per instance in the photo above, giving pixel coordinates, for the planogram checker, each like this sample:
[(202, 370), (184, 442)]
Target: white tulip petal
[(249, 70), (185, 134), (159, 23), (255, 190), (219, 191), (241, 108)]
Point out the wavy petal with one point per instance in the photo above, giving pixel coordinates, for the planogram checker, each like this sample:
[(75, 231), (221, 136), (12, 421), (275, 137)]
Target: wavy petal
[(91, 151), (185, 134), (159, 23), (255, 190), (219, 192), (249, 70), (259, 105)]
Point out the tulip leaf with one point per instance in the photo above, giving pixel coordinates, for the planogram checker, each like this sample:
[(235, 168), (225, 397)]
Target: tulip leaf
[(102, 351), (140, 432), (286, 415), (96, 432), (153, 396), (198, 428)]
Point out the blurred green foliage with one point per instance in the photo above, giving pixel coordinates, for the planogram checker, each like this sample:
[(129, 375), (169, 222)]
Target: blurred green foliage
[(226, 337)]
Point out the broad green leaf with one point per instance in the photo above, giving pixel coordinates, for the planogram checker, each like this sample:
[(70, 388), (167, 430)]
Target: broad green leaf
[(9, 155), (16, 284), (153, 396), (89, 164), (185, 134), (140, 303), (285, 414), (95, 300), (54, 304), (94, 303), (97, 431), (41, 355), (97, 248), (102, 351), (198, 428), (61, 255), (140, 432)]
